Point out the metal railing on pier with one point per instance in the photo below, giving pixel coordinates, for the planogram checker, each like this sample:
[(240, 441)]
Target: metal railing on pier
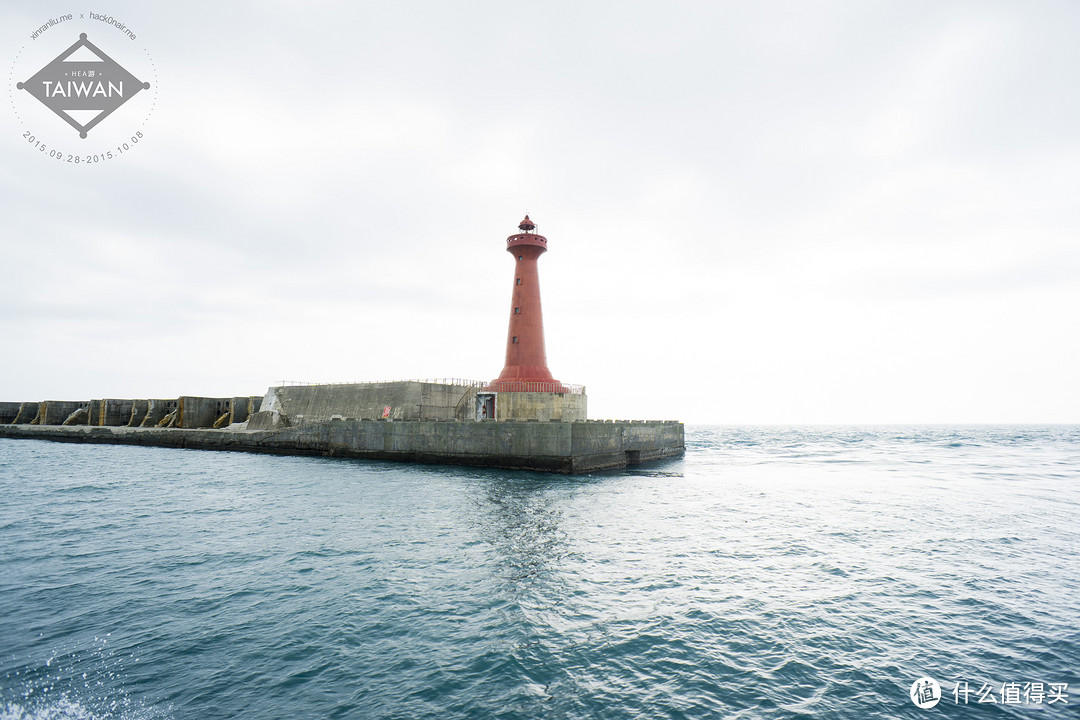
[(555, 387), (432, 381)]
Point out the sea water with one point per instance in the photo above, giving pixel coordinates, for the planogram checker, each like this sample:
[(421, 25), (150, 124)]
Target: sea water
[(769, 573)]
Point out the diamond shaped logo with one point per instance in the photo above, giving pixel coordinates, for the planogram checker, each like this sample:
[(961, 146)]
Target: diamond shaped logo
[(83, 85)]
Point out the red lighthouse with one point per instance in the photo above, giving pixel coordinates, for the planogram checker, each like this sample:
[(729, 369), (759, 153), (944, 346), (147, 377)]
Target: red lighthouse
[(526, 360)]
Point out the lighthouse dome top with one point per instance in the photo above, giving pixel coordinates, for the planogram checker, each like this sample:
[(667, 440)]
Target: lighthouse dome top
[(527, 236)]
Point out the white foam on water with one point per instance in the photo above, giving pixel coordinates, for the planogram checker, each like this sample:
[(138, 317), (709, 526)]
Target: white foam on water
[(64, 708), (77, 681)]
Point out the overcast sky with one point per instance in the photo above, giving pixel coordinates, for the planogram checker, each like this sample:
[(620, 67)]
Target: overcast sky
[(757, 212)]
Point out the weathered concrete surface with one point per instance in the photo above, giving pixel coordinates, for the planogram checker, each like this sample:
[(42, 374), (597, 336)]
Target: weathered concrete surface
[(55, 412), (406, 400), (466, 408), (27, 412), (139, 409), (266, 420), (8, 412), (79, 417), (576, 447), (111, 412), (156, 411), (241, 408), (626, 442), (542, 406), (200, 412)]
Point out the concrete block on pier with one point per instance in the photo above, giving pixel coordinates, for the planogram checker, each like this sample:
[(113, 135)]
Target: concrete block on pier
[(55, 412), (403, 400), (201, 412), (138, 412), (241, 408), (111, 412), (8, 412), (27, 413), (156, 410)]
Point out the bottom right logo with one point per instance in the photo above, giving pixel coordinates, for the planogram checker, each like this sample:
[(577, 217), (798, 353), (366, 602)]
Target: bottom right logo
[(925, 692)]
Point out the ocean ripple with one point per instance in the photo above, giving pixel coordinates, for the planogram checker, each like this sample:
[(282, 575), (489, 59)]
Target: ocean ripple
[(770, 573)]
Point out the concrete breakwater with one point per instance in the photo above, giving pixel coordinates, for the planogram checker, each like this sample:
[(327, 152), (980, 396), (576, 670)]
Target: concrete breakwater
[(564, 447), (449, 421), (182, 412)]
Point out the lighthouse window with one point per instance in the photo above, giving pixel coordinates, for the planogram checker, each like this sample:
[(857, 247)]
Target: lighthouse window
[(519, 281), (517, 311), (520, 258), (515, 338)]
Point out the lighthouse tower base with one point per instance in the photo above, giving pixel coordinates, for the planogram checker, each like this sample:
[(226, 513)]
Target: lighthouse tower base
[(524, 406)]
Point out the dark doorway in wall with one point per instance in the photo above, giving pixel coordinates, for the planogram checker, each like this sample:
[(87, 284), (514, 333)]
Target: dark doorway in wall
[(485, 406)]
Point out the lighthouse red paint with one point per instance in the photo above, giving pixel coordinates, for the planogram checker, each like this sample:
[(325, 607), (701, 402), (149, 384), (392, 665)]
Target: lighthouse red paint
[(526, 359)]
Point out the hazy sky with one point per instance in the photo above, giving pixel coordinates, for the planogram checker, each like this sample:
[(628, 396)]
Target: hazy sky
[(757, 212)]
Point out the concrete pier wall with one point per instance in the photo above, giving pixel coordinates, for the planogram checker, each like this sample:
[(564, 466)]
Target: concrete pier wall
[(201, 412), (406, 400), (294, 405), (156, 411), (111, 412), (542, 406), (412, 421), (79, 417), (138, 412), (193, 412), (241, 408), (8, 412), (28, 411), (116, 412), (577, 447), (55, 412), (626, 442)]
